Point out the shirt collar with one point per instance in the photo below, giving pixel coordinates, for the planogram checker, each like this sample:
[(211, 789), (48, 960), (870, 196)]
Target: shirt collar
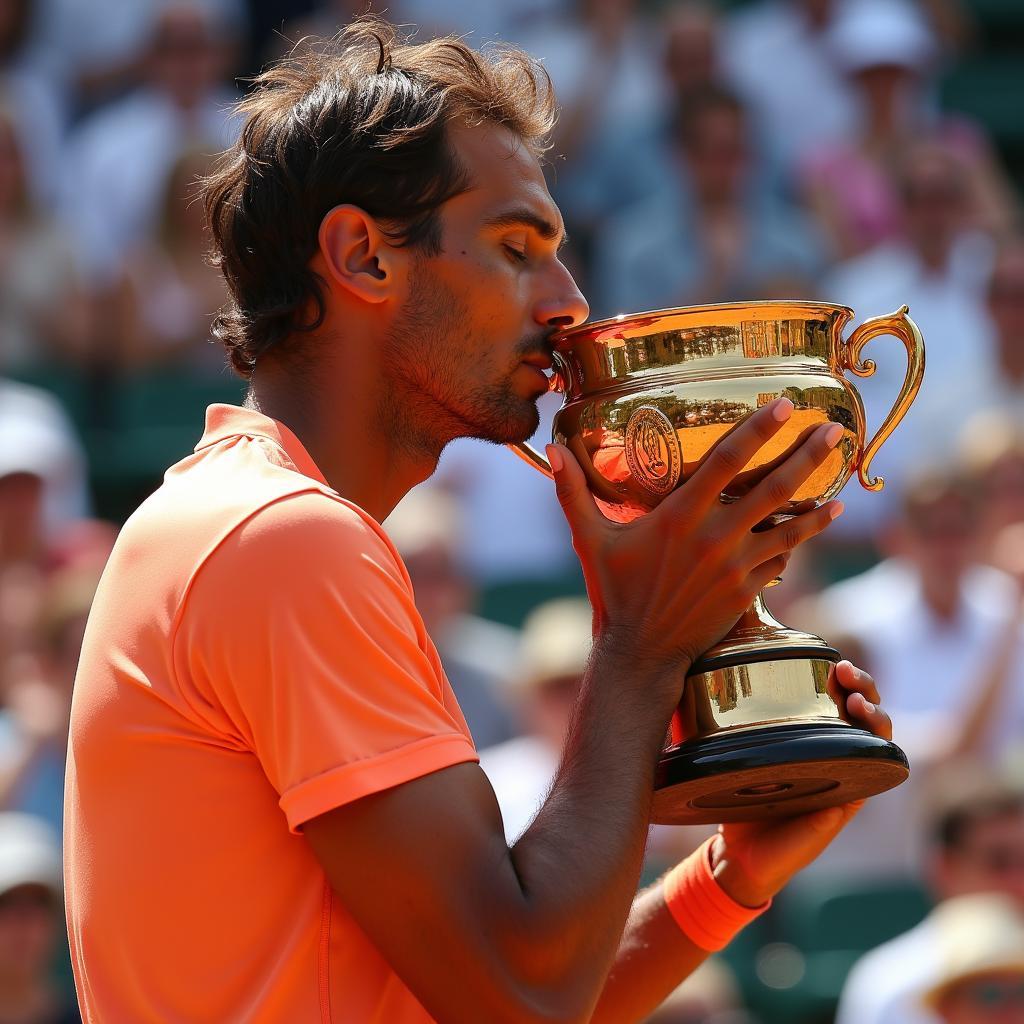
[(226, 421)]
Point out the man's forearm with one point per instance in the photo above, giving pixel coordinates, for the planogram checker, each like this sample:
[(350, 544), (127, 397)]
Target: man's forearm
[(580, 860), (653, 957)]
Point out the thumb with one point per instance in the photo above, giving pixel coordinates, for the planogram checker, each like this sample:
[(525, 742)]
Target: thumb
[(571, 487)]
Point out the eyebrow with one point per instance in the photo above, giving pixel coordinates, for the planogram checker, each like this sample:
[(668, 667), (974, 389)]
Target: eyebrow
[(523, 216)]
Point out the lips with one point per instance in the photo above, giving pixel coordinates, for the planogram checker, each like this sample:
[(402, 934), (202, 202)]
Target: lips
[(541, 361)]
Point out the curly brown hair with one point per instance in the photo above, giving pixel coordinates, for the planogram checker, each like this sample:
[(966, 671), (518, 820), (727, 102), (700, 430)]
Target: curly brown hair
[(357, 119)]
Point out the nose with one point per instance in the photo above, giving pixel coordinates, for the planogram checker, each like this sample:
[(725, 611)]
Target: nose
[(563, 305)]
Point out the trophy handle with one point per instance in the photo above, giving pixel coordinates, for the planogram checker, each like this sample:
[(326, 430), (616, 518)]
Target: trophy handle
[(900, 326), (530, 454), (526, 451)]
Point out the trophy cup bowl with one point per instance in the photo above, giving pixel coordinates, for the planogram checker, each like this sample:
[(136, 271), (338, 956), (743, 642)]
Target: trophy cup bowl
[(758, 732)]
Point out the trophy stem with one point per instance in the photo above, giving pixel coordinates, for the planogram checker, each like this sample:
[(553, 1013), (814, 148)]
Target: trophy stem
[(758, 734), (759, 636)]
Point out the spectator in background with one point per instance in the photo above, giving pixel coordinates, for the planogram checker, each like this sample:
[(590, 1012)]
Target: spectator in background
[(37, 702), (477, 655), (992, 452), (976, 846), (99, 48), (599, 57), (44, 316), (37, 440), (930, 617), (717, 234), (939, 268), (982, 972), (509, 20), (1005, 301), (119, 159), (556, 644), (850, 184), (31, 919), (33, 95), (638, 158), (776, 53), (991, 384), (942, 634), (169, 291)]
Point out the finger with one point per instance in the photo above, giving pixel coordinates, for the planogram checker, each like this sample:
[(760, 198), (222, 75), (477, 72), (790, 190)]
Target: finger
[(856, 680), (766, 572), (829, 821), (786, 536), (781, 484), (577, 502), (735, 450), (870, 715)]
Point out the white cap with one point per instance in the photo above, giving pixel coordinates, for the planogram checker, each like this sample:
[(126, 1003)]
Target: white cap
[(557, 637), (872, 33), (978, 935), (29, 853), (425, 519)]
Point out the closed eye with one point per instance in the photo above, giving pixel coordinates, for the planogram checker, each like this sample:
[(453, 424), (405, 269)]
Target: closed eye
[(516, 254)]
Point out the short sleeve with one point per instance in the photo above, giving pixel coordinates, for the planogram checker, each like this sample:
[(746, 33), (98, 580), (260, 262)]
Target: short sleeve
[(301, 629)]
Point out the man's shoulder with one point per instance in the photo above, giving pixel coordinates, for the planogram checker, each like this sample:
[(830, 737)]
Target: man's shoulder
[(238, 509), (313, 521)]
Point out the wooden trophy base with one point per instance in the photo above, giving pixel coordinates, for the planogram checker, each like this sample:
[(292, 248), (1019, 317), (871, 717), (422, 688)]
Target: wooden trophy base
[(772, 772)]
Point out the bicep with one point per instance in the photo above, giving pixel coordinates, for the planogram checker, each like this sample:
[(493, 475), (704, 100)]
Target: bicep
[(425, 871)]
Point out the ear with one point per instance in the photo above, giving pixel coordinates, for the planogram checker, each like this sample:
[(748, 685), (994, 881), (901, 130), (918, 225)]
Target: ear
[(357, 254)]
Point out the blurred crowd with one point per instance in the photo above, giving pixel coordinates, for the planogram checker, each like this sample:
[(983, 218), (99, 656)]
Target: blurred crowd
[(706, 152)]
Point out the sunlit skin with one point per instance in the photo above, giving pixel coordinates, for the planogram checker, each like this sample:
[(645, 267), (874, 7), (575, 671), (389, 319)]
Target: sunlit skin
[(414, 351), (418, 350)]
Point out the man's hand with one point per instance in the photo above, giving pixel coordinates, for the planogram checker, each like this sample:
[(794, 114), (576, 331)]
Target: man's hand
[(670, 584), (754, 860)]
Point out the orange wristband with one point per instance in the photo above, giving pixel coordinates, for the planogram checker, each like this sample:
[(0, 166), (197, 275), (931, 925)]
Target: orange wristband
[(705, 914)]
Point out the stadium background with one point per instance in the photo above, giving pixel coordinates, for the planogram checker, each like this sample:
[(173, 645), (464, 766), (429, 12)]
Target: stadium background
[(868, 152)]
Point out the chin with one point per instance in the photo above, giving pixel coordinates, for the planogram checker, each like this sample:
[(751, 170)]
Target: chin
[(509, 425)]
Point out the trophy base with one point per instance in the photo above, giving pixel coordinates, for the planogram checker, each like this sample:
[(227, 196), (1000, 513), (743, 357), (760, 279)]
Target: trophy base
[(772, 772)]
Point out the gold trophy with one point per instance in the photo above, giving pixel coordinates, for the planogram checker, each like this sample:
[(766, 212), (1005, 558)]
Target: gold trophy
[(647, 397)]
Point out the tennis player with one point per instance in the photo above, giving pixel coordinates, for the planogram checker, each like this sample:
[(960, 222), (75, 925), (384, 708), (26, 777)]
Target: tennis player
[(275, 813)]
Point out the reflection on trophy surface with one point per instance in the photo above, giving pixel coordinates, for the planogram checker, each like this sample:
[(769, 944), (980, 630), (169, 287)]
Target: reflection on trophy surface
[(647, 397)]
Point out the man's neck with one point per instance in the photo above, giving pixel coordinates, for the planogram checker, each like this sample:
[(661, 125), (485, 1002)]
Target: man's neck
[(343, 433)]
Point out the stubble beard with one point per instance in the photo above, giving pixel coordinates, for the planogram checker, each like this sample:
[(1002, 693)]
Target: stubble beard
[(432, 398)]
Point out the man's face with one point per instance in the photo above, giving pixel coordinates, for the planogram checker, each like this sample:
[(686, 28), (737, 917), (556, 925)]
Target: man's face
[(469, 346)]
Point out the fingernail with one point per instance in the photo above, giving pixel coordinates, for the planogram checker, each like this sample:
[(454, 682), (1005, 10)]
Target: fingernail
[(782, 410), (868, 706), (837, 509), (833, 434), (555, 457)]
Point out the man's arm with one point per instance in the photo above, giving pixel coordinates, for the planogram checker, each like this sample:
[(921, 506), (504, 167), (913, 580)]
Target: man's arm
[(481, 932), (752, 862)]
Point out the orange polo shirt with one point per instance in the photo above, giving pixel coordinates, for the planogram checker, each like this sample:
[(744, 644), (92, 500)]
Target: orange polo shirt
[(253, 659)]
